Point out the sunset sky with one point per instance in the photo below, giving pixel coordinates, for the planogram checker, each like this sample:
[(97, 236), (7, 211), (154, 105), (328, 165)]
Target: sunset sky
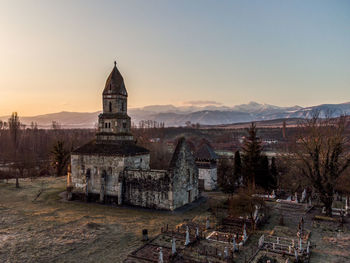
[(56, 55)]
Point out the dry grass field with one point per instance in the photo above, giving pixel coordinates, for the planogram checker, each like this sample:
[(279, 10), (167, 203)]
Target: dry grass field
[(53, 230)]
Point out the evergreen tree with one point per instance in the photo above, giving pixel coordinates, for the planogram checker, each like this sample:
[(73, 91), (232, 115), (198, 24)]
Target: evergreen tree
[(274, 172), (238, 168), (263, 178), (251, 156), (60, 158)]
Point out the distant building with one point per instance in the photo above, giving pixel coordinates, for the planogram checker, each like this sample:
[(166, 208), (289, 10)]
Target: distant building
[(284, 130), (153, 140), (206, 160), (113, 169), (270, 141)]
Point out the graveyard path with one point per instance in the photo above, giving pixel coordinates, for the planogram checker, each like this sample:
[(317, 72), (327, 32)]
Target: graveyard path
[(330, 241)]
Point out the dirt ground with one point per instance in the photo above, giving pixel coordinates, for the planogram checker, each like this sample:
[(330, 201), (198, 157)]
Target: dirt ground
[(330, 242), (52, 230)]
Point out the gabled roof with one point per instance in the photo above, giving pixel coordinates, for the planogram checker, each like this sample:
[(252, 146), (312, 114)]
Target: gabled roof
[(205, 152), (182, 151), (115, 83)]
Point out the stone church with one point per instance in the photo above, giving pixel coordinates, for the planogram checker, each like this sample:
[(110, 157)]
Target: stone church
[(114, 169)]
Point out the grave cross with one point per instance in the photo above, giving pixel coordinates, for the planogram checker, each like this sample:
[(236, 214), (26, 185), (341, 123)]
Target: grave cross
[(160, 259), (226, 252), (234, 244), (173, 246), (187, 242), (207, 224)]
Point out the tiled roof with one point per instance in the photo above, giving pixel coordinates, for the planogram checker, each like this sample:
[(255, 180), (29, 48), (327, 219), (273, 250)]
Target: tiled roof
[(205, 152)]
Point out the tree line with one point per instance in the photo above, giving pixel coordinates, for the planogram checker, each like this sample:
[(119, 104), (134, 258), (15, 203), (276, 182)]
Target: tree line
[(27, 151)]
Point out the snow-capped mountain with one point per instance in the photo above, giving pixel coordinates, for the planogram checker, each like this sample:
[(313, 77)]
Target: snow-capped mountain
[(207, 115)]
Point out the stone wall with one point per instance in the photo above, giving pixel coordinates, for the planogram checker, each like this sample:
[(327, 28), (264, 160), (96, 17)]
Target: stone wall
[(184, 173), (88, 170), (150, 189), (129, 180), (209, 175)]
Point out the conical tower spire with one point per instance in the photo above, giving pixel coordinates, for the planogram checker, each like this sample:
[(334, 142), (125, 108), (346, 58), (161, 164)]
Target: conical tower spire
[(114, 122), (115, 83)]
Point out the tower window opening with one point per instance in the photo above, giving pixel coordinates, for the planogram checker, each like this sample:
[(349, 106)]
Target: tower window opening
[(106, 125), (110, 106)]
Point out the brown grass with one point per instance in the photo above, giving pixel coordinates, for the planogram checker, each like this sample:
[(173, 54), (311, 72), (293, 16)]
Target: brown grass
[(52, 230)]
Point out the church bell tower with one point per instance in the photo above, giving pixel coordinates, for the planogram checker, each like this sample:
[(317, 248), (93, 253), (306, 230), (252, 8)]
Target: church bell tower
[(114, 123)]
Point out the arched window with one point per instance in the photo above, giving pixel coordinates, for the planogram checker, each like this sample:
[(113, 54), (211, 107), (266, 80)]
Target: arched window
[(110, 106), (104, 175)]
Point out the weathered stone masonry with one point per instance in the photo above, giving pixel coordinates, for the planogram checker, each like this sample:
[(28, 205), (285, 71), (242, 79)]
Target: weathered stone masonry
[(114, 169), (206, 161)]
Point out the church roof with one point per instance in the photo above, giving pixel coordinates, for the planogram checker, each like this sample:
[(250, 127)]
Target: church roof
[(115, 83), (205, 152), (122, 148)]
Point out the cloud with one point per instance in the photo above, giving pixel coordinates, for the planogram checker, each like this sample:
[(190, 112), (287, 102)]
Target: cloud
[(202, 102)]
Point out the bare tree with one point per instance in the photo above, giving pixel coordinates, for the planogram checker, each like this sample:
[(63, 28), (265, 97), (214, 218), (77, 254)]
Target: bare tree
[(245, 204), (227, 176), (15, 126), (322, 149)]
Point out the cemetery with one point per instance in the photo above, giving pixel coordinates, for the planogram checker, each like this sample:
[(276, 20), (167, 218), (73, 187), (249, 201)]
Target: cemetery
[(280, 237), (87, 230)]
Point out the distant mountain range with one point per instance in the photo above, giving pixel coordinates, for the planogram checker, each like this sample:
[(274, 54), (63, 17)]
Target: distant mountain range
[(178, 116)]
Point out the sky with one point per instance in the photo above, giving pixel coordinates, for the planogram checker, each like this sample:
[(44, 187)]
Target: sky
[(56, 55)]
